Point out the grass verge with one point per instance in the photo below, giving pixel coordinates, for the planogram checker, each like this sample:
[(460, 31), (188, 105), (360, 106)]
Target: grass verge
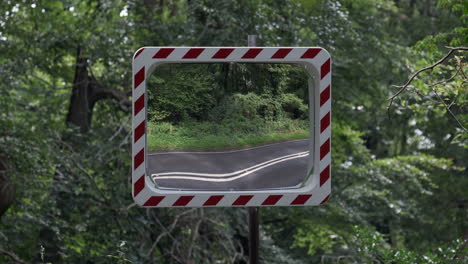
[(228, 134)]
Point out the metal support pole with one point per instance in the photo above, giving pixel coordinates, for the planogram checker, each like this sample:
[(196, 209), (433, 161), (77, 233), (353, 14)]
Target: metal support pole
[(254, 234), (252, 40)]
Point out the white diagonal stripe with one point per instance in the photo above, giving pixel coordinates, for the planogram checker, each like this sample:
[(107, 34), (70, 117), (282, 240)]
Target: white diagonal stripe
[(325, 82), (325, 109)]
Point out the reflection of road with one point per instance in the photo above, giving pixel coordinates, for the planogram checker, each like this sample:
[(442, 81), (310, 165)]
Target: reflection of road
[(276, 165)]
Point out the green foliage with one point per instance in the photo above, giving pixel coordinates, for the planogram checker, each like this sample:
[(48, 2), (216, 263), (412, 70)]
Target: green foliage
[(245, 106), (294, 106), (228, 133), (214, 92), (372, 247), (251, 106), (120, 254), (314, 237), (188, 95), (399, 176)]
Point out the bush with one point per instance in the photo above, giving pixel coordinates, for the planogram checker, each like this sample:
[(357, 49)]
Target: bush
[(245, 105), (248, 106), (371, 247), (293, 106)]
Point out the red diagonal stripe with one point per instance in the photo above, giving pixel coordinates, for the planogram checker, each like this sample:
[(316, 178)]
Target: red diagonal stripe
[(252, 53), (139, 158), (193, 53), (138, 53), (139, 104), (163, 53), (324, 175), (213, 200), (139, 131), (281, 53), (242, 200), (272, 199), (325, 69), (222, 53), (301, 199), (325, 122), (325, 95), (324, 149), (139, 77), (183, 200), (310, 53), (153, 201), (139, 185), (325, 200)]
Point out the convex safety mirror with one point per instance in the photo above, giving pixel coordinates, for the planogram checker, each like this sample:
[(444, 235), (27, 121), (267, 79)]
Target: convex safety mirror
[(231, 126)]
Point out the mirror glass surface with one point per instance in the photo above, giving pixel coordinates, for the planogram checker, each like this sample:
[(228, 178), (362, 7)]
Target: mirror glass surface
[(229, 126)]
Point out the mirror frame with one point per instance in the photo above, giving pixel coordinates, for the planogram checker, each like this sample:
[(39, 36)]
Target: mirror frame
[(316, 188)]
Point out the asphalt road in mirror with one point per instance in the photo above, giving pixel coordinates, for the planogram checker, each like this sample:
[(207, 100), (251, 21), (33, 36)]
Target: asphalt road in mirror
[(277, 165)]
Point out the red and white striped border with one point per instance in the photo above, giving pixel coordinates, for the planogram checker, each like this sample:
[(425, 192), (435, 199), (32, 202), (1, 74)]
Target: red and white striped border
[(317, 188)]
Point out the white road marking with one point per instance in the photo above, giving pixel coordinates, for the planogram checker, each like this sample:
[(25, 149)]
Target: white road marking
[(220, 152), (231, 176), (225, 174)]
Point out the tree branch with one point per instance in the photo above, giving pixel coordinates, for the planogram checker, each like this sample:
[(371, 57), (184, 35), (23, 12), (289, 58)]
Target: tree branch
[(430, 67), (449, 79), (13, 256), (448, 109), (167, 231), (403, 87), (100, 92), (194, 236)]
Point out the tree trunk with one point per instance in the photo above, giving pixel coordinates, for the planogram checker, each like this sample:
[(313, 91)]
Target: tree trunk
[(79, 111), (7, 190), (86, 92)]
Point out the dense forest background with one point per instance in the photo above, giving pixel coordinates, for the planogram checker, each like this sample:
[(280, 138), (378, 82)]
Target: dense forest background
[(400, 186)]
